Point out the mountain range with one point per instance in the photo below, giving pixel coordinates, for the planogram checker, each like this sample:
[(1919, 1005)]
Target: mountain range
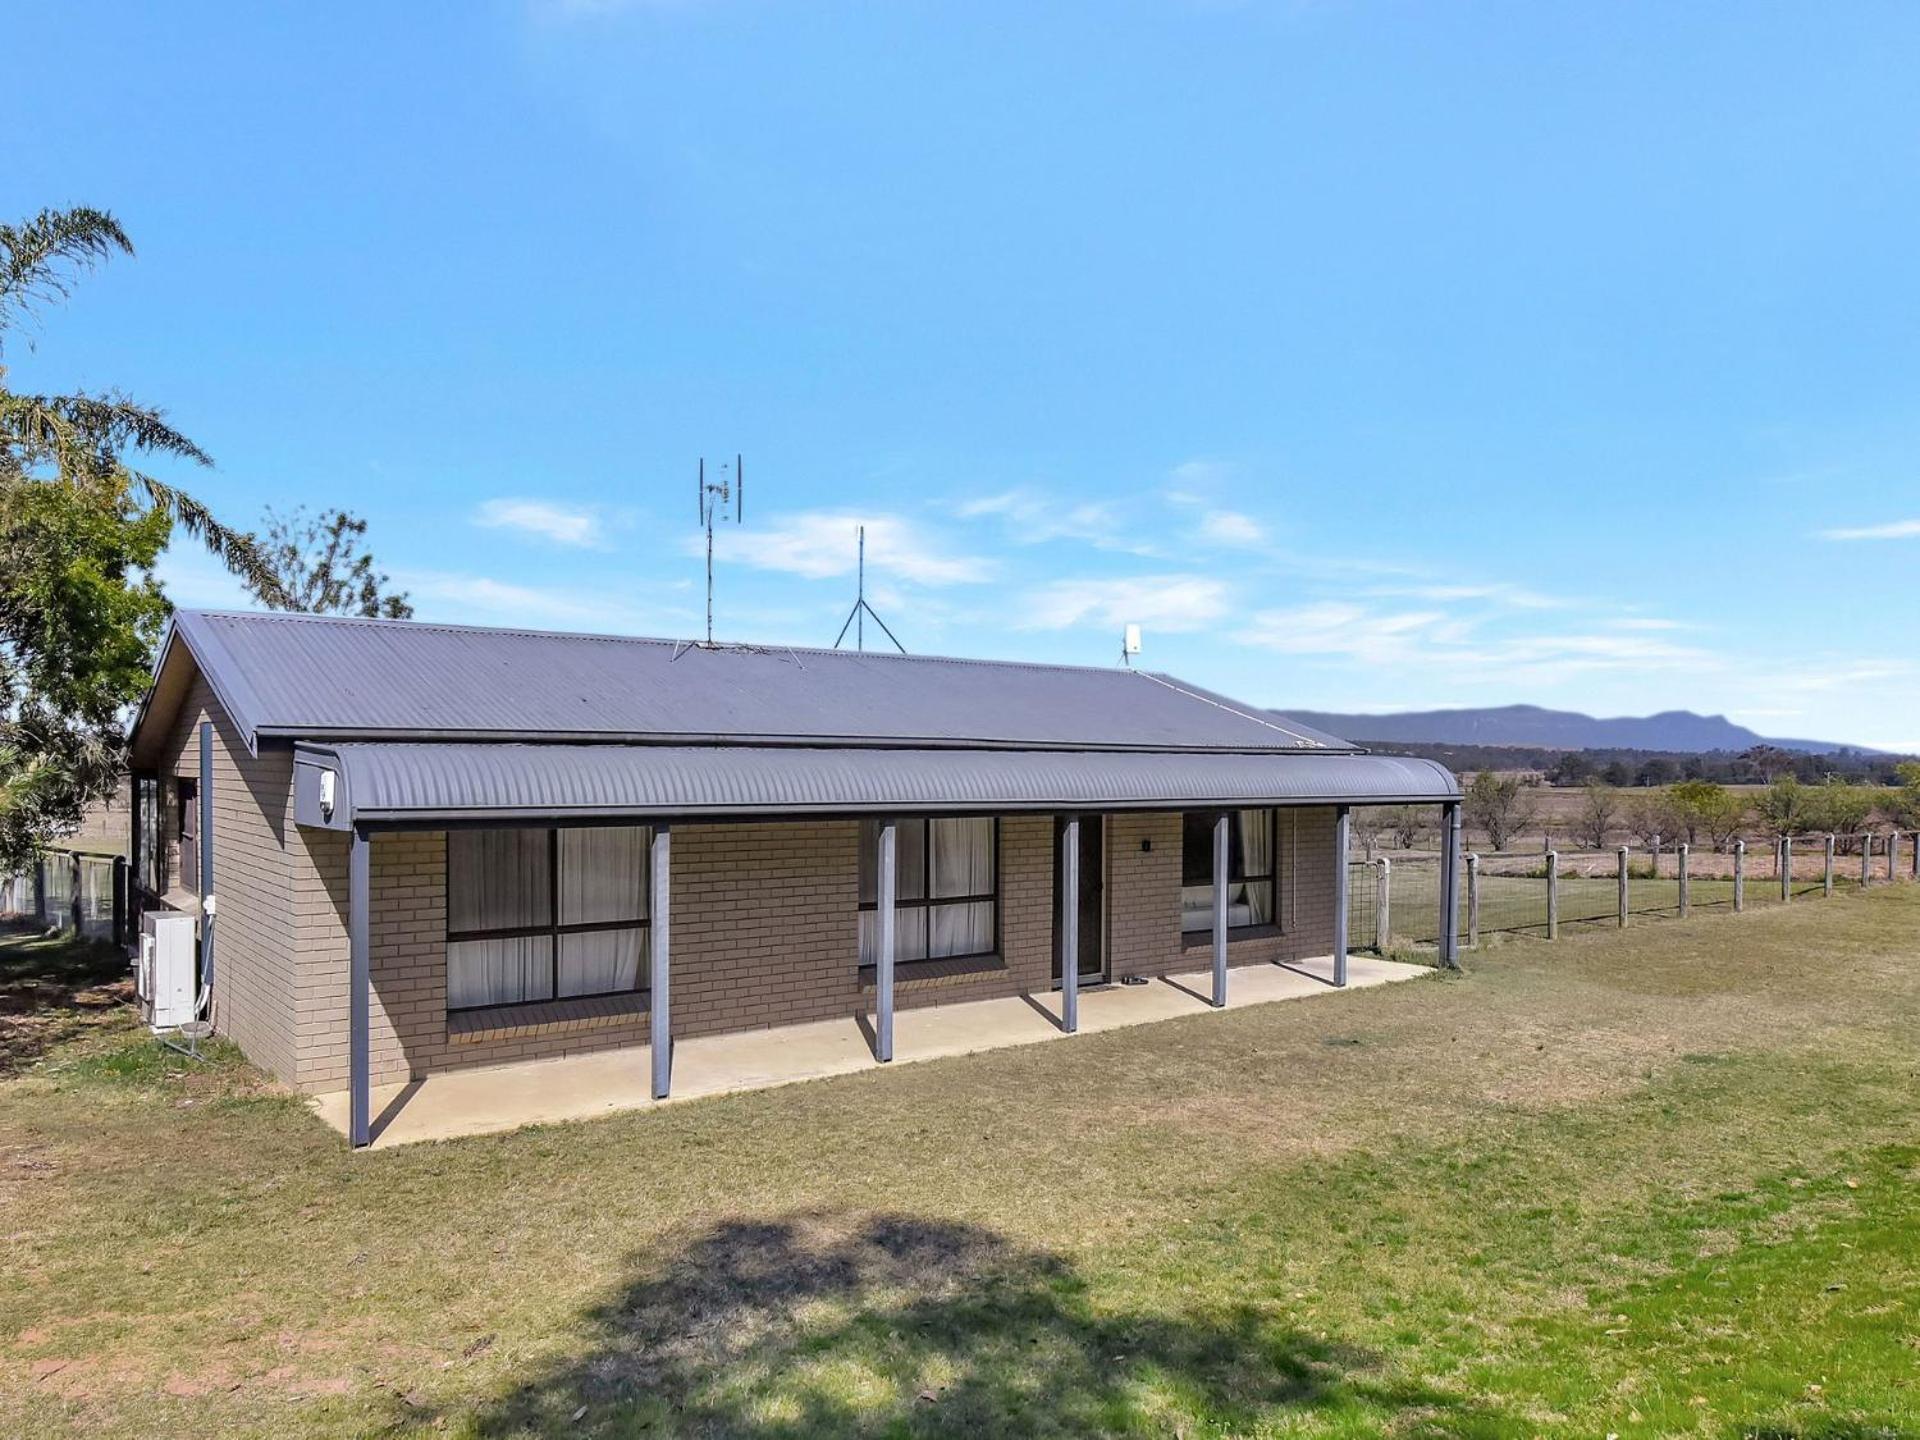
[(1532, 725)]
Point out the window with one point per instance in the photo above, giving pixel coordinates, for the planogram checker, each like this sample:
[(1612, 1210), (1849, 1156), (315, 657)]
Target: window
[(187, 806), (545, 914), (152, 865), (1251, 848), (946, 888)]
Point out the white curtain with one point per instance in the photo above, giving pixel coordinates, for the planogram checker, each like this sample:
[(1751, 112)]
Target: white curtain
[(603, 875), (499, 972), (962, 929), (597, 962), (497, 879), (962, 857), (1256, 852)]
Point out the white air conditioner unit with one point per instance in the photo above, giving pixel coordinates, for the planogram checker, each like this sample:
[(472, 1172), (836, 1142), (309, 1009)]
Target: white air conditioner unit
[(167, 969)]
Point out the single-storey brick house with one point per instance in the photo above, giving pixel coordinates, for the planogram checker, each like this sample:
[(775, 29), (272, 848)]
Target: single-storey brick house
[(437, 846)]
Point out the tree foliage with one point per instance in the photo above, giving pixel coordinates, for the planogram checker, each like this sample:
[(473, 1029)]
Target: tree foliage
[(80, 528), (1599, 809), (1501, 806), (1786, 807), (321, 566), (1701, 807)]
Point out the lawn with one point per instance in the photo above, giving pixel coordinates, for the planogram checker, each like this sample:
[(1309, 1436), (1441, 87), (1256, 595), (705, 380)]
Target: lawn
[(1647, 1182)]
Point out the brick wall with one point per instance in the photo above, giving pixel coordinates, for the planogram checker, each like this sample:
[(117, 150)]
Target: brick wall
[(253, 1000)]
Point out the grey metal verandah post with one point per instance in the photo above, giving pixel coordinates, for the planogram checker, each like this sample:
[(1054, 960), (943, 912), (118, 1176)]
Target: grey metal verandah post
[(1826, 872), (1383, 906), (1682, 853), (1623, 886), (1553, 894), (1221, 865), (1473, 901), (1342, 836), (660, 960), (1739, 874), (1450, 885), (886, 906), (1070, 925), (359, 984)]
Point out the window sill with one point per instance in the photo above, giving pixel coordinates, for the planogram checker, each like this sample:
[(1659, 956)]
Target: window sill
[(909, 974), (1203, 939), (500, 1022)]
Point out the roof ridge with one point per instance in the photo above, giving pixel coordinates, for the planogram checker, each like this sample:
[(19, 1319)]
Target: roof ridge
[(719, 646)]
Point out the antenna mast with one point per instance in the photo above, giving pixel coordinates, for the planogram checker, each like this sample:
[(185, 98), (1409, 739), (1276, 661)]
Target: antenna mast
[(857, 617), (714, 499)]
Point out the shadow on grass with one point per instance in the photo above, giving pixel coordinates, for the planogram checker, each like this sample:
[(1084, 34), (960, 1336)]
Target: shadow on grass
[(52, 988), (823, 1324)]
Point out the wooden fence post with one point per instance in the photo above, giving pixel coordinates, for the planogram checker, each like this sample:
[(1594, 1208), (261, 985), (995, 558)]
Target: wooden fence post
[(1623, 887), (1739, 874), (1383, 906), (1784, 855), (1680, 856), (1893, 855), (1826, 878), (1553, 894), (1866, 859), (1473, 902)]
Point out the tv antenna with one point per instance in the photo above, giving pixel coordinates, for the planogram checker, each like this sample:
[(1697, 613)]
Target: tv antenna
[(715, 496), (857, 617), (1129, 645)]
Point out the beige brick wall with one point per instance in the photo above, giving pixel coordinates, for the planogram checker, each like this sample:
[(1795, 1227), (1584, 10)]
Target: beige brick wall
[(764, 932), (253, 1001)]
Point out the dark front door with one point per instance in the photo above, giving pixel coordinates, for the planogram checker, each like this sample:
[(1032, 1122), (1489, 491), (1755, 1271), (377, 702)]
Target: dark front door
[(1090, 901)]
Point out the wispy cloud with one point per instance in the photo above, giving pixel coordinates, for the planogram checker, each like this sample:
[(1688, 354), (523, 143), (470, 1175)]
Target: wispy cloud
[(1159, 602), (820, 544), (1230, 527), (562, 524), (1518, 597), (1892, 530), (1033, 517), (458, 596)]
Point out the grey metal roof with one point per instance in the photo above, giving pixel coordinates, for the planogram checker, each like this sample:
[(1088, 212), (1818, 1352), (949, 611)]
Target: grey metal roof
[(330, 677), (424, 782)]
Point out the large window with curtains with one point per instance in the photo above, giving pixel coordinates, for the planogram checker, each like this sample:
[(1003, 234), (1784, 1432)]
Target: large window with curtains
[(1252, 849), (545, 914), (946, 903)]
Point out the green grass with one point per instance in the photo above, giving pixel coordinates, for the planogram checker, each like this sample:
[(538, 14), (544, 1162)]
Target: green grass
[(1653, 1182)]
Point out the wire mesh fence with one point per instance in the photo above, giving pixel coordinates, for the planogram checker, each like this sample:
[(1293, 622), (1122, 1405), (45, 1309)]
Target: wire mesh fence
[(1395, 902), (65, 890)]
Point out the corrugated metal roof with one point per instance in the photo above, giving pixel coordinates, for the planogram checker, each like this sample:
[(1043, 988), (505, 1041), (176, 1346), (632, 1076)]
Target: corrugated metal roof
[(400, 782), (325, 676)]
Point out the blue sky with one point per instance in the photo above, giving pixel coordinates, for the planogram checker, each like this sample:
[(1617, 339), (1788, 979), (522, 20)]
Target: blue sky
[(1369, 356)]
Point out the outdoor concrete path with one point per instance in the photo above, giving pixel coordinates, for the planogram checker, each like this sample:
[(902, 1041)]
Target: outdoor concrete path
[(578, 1087)]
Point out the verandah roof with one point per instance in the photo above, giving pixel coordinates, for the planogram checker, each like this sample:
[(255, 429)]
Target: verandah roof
[(406, 783)]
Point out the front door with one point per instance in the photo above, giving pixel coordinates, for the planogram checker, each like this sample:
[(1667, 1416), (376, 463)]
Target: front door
[(1091, 900)]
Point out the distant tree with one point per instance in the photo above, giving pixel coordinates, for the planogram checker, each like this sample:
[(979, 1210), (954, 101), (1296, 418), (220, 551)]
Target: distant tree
[(1500, 806), (1785, 807), (1599, 808), (80, 529), (1658, 771), (1838, 806), (1617, 773), (1575, 767), (1769, 762), (1702, 807), (1651, 816), (320, 566), (1902, 802), (1402, 824)]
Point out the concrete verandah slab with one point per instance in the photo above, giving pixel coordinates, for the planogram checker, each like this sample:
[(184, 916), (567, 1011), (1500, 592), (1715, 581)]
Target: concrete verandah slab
[(578, 1087)]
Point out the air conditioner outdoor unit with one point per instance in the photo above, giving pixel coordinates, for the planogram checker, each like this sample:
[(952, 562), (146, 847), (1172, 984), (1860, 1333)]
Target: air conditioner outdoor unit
[(168, 966)]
